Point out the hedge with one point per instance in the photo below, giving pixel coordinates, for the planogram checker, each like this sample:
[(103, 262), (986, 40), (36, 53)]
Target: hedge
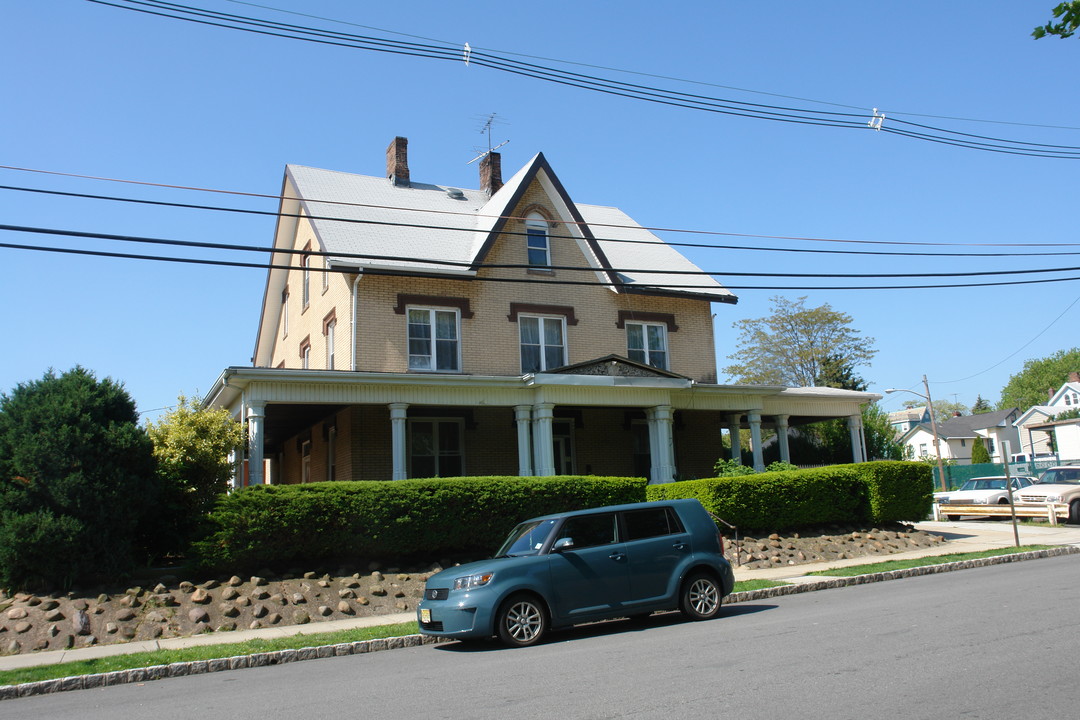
[(877, 492), (434, 518)]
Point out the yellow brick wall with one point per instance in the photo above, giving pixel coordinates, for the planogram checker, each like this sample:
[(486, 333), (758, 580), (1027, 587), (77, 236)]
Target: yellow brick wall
[(489, 341)]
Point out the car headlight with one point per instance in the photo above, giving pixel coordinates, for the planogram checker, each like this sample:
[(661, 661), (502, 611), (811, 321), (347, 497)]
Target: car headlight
[(1053, 498), (943, 500), (473, 581)]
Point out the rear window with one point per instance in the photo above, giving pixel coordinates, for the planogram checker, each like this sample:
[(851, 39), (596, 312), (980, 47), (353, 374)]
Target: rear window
[(651, 522)]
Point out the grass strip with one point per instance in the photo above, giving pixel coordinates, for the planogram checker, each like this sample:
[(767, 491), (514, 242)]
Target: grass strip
[(200, 652), (888, 565), (747, 585)]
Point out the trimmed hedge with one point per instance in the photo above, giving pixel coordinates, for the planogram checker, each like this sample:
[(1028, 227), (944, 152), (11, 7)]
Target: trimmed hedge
[(279, 524), (877, 492)]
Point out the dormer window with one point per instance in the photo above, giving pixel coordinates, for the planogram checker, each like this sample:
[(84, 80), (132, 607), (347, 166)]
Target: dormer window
[(536, 232)]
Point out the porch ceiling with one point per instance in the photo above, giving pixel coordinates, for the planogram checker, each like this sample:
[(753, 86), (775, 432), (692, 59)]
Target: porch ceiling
[(286, 421)]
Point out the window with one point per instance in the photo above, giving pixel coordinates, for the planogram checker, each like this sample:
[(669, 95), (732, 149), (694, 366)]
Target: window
[(435, 448), (285, 313), (326, 275), (654, 522), (331, 454), (542, 344), (305, 353), (331, 328), (305, 267), (433, 340), (647, 343), (589, 530), (536, 233), (305, 467)]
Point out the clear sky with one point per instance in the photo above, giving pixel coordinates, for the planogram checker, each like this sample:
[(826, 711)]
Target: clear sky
[(95, 90)]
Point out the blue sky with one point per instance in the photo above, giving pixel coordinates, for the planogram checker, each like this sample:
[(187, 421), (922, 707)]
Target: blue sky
[(96, 90)]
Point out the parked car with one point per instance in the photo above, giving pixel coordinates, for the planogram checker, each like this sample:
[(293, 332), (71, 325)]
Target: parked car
[(982, 491), (576, 567), (1059, 484)]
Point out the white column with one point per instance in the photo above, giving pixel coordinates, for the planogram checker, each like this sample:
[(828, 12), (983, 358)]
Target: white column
[(256, 414), (543, 449), (782, 437), (734, 422), (398, 416), (755, 439), (661, 447), (858, 449), (522, 416)]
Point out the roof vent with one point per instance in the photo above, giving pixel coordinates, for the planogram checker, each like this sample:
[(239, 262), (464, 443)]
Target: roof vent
[(455, 193)]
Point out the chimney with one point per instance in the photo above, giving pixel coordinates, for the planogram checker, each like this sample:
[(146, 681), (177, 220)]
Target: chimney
[(397, 162), (1074, 376), (491, 173)]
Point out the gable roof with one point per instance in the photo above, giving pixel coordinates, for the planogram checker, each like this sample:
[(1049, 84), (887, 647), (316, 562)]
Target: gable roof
[(966, 425), (370, 224)]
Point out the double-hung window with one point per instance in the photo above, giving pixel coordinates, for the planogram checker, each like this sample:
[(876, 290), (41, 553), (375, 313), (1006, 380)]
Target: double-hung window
[(543, 343), (434, 339), (435, 448), (536, 234), (647, 343)]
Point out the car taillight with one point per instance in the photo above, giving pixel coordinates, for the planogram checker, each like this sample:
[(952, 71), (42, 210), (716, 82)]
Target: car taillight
[(720, 539)]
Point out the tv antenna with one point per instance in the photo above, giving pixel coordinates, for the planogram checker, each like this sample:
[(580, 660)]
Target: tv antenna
[(485, 129)]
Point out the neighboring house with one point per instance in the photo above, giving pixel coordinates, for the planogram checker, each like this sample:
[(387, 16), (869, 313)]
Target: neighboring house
[(1041, 435), (416, 330), (958, 434), (904, 420)]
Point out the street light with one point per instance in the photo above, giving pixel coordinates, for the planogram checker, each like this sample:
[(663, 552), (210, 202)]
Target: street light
[(933, 425)]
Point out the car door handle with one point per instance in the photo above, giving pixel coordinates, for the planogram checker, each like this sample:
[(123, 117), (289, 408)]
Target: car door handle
[(617, 556), (679, 546)]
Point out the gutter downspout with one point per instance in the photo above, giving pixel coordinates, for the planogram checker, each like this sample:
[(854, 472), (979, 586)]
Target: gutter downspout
[(353, 328)]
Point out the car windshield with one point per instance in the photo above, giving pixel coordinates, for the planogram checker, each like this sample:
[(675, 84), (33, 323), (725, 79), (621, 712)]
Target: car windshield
[(984, 484), (1062, 476), (526, 539)]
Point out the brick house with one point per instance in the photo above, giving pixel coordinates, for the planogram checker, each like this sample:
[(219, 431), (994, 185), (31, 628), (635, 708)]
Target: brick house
[(416, 330)]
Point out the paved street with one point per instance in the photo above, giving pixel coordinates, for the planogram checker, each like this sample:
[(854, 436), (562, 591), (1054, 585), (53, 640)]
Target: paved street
[(995, 642)]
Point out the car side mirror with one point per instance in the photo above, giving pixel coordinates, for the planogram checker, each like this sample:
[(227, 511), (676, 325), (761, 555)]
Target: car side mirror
[(563, 544)]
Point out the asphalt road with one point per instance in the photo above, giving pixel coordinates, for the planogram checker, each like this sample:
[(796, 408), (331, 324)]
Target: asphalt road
[(995, 642)]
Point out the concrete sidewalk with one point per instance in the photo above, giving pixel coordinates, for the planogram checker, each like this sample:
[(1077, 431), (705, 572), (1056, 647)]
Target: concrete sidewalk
[(961, 537)]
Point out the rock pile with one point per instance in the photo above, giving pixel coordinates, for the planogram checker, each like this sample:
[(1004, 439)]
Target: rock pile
[(826, 544)]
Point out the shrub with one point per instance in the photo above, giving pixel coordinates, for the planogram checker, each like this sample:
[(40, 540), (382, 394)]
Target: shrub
[(275, 524), (76, 481)]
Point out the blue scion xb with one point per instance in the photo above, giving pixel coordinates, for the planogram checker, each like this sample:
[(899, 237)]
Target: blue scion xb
[(581, 566)]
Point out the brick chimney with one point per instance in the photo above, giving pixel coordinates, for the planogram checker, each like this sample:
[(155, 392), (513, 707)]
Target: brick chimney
[(397, 162), (1074, 376), (491, 173)]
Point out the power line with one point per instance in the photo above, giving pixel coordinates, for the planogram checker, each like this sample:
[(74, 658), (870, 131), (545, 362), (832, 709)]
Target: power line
[(514, 217), (802, 116), (861, 108), (376, 271)]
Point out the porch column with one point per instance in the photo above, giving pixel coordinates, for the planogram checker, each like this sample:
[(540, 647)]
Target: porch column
[(661, 448), (735, 452), (543, 449), (755, 439), (782, 437), (398, 415), (522, 416), (858, 442), (256, 415)]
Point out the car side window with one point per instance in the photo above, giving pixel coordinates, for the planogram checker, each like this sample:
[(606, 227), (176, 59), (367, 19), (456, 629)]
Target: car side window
[(590, 530), (651, 522)]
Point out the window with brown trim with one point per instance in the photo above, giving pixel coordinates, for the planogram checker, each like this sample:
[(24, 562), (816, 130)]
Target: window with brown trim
[(462, 304), (655, 317), (566, 311), (305, 353)]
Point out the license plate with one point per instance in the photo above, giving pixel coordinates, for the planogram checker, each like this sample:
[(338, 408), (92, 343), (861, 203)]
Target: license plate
[(425, 615)]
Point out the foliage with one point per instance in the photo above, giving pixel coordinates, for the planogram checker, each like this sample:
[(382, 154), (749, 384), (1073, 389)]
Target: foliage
[(732, 468), (76, 481), (279, 524), (981, 406), (1039, 377), (795, 345), (855, 493), (1068, 14), (836, 372), (943, 409), (192, 446), (979, 453), (829, 441), (1070, 414)]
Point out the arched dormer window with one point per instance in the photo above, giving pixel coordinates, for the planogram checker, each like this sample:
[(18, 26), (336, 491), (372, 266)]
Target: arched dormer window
[(536, 233)]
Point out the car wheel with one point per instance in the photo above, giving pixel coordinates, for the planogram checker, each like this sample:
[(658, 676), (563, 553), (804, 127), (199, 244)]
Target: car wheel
[(1074, 512), (522, 621), (700, 598), (952, 518)]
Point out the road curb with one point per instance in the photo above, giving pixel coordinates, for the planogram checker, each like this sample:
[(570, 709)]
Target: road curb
[(279, 657)]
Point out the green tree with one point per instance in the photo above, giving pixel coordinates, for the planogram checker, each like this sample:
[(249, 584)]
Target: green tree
[(192, 446), (835, 372), (834, 439), (1068, 15), (979, 453), (795, 345), (77, 481), (1040, 377), (981, 406), (943, 409)]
